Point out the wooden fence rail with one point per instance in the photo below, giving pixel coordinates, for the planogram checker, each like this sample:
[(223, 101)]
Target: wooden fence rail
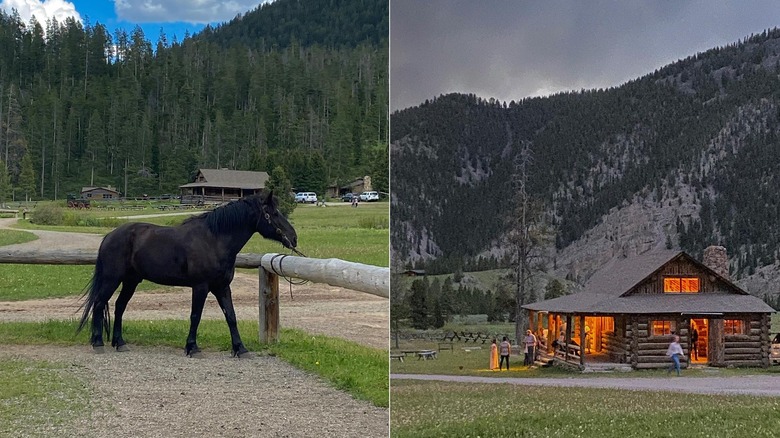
[(350, 275)]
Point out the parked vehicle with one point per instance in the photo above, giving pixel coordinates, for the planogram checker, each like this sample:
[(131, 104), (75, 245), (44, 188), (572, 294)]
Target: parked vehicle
[(302, 197), (774, 354), (369, 196), (74, 202), (348, 197)]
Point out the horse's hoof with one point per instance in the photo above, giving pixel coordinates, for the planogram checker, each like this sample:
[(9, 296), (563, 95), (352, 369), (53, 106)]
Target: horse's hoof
[(98, 349), (245, 355), (197, 354), (122, 347)]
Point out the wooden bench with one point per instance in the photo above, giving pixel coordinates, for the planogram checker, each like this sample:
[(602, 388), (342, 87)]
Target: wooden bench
[(400, 357), (574, 350), (446, 346), (426, 354)]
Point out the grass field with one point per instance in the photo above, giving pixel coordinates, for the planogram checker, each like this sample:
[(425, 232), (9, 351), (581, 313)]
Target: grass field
[(12, 237), (329, 232), (434, 409), (358, 370)]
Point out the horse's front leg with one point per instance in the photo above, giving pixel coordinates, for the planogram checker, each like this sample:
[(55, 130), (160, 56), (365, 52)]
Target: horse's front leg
[(225, 300), (199, 294)]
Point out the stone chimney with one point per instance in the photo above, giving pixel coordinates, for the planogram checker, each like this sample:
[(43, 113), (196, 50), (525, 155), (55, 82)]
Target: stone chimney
[(715, 258)]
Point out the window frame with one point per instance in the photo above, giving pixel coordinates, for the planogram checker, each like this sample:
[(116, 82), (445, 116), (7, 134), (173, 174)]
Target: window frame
[(681, 279), (735, 322), (672, 326)]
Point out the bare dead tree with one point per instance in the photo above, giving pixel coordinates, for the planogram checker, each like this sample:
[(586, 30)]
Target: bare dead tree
[(527, 236)]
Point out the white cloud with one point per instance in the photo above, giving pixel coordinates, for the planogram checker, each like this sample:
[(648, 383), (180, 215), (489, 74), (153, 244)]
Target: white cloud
[(43, 10), (189, 11)]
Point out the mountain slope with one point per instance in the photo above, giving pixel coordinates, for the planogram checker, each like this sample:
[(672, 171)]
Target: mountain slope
[(686, 156)]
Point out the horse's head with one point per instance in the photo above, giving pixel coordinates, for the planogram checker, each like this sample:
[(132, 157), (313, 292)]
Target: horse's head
[(271, 224)]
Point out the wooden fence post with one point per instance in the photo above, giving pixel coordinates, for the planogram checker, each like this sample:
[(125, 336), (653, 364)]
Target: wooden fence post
[(269, 306)]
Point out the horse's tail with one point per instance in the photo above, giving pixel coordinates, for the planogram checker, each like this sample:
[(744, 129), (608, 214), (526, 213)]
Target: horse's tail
[(91, 296)]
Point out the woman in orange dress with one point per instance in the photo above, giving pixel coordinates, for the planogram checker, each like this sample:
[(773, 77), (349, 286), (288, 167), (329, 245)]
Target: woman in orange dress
[(493, 356)]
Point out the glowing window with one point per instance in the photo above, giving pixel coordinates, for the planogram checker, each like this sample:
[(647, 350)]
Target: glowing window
[(661, 328), (681, 284), (734, 327)]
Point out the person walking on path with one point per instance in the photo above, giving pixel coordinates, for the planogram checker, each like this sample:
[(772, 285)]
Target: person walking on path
[(493, 356), (504, 349), (530, 342), (675, 351)]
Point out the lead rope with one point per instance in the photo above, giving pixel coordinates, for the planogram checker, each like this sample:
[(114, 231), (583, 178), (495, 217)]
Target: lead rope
[(280, 271)]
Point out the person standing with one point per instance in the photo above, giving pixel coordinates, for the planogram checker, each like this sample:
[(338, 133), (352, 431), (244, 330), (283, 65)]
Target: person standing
[(504, 349), (493, 356), (529, 342), (675, 351), (694, 341)]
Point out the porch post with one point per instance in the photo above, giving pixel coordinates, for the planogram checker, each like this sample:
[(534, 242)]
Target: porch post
[(583, 347), (568, 337), (550, 332)]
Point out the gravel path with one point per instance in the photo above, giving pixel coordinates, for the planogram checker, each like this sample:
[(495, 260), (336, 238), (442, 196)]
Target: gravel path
[(763, 385), (158, 392)]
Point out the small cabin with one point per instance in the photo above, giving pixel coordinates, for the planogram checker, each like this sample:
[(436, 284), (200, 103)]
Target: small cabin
[(94, 193), (629, 311), (224, 185)]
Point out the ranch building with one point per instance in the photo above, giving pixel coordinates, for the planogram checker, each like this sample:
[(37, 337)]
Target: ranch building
[(358, 185), (628, 312), (99, 193), (220, 185)]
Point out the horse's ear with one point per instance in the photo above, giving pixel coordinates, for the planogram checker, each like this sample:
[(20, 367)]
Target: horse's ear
[(271, 201)]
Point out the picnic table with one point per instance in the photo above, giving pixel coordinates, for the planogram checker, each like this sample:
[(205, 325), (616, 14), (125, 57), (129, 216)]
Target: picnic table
[(399, 356), (426, 354)]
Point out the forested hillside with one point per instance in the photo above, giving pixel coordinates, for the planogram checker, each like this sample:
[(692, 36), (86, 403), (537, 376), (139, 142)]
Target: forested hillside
[(301, 85), (687, 156)]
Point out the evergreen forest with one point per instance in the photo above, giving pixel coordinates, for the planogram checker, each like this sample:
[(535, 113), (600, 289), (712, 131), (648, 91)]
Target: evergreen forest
[(298, 85)]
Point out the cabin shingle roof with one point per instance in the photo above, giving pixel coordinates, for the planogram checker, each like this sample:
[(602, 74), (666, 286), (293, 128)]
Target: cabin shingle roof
[(234, 179), (607, 292)]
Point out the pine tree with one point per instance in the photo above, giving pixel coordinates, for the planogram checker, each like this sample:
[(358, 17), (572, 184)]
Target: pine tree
[(5, 184), (279, 183), (27, 177)]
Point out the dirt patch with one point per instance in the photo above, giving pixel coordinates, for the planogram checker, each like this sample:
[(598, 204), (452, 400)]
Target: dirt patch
[(315, 308), (158, 392)]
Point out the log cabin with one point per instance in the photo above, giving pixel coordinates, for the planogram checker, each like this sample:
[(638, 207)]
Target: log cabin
[(629, 311)]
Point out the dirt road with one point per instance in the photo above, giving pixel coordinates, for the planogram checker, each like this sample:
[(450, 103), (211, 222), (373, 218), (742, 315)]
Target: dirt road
[(744, 385)]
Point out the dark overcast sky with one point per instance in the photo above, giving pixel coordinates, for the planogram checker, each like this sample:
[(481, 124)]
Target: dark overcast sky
[(516, 48)]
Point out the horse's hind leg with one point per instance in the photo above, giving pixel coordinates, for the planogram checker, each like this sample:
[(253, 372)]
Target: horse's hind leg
[(107, 288), (225, 300), (199, 294), (128, 289)]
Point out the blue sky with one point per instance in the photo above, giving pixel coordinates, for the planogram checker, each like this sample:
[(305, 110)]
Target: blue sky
[(173, 16)]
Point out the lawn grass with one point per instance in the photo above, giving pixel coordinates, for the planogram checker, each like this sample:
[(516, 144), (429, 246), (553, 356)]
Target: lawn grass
[(28, 282), (358, 370), (438, 409), (35, 395), (323, 232), (475, 362), (12, 237), (354, 234)]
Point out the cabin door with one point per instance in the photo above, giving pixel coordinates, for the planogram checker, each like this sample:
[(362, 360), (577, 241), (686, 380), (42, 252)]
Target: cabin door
[(698, 353)]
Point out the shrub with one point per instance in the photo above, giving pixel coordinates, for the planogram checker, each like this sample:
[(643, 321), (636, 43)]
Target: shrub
[(48, 214)]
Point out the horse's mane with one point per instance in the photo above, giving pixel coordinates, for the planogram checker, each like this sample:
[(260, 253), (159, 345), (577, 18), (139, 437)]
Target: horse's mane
[(231, 215)]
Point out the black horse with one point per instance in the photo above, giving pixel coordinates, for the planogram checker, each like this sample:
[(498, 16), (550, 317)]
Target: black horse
[(199, 253)]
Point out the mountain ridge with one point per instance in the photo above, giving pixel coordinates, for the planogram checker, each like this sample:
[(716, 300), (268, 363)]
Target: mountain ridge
[(684, 156)]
